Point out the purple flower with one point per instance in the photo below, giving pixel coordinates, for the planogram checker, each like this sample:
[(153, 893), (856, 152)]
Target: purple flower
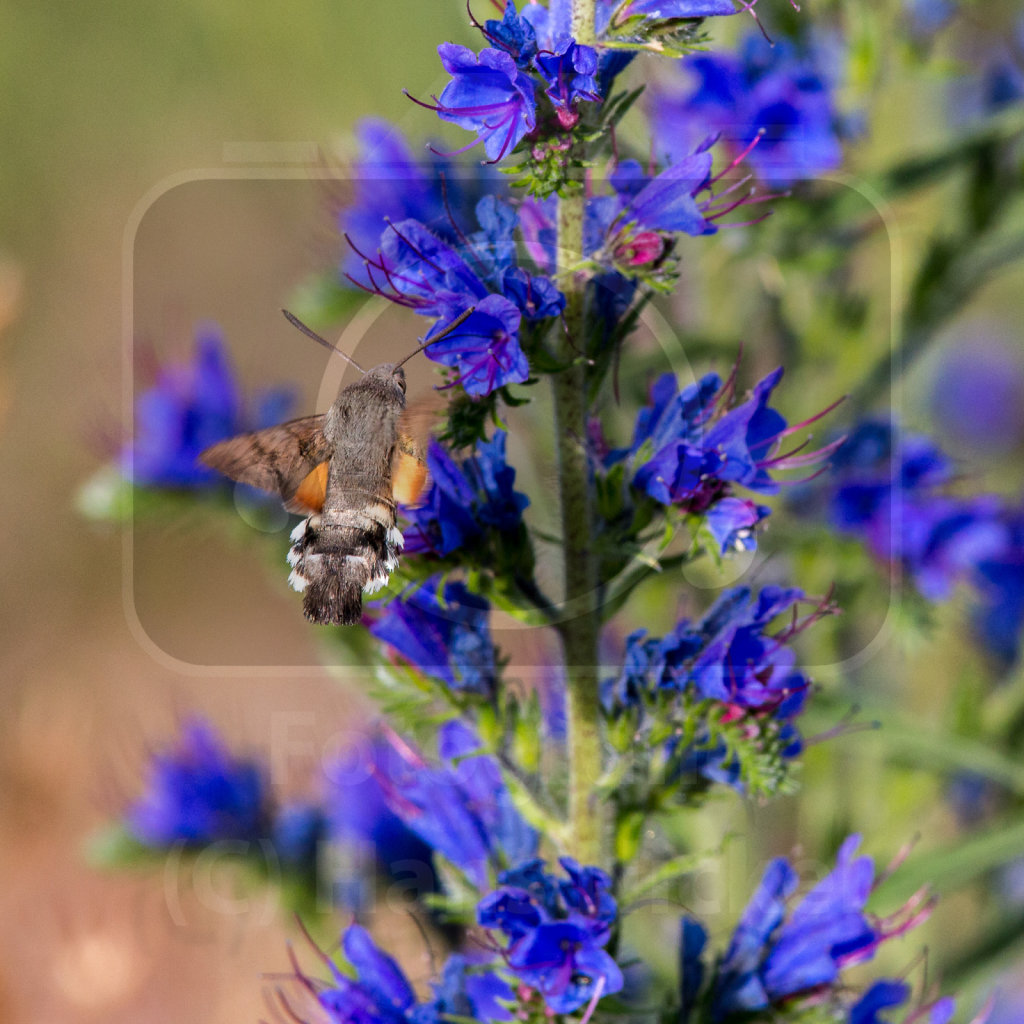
[(555, 930), (488, 95), (188, 409), (462, 809), (776, 94), (444, 634), (776, 954), (198, 793), (465, 499)]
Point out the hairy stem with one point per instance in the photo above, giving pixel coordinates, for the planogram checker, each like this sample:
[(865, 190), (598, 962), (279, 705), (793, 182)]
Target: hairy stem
[(579, 633)]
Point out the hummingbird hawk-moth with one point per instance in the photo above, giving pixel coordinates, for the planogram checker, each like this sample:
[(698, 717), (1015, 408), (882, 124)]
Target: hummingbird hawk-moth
[(345, 470)]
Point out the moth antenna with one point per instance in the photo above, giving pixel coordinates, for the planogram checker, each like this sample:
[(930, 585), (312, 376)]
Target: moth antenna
[(454, 325), (296, 322)]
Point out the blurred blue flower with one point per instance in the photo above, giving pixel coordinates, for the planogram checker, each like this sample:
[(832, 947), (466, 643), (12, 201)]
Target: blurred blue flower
[(191, 407), (556, 929), (886, 994), (777, 95), (462, 808), (465, 499), (975, 395), (296, 833), (197, 793), (390, 184), (777, 954), (445, 634), (365, 835), (890, 491), (380, 993)]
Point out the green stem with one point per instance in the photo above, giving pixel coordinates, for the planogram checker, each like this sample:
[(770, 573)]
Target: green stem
[(579, 634)]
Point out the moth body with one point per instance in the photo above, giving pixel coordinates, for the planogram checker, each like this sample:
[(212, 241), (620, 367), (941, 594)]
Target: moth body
[(338, 467)]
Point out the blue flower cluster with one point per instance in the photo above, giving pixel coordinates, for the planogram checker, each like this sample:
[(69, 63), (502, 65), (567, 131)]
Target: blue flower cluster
[(465, 500), (730, 660), (556, 930), (494, 94), (773, 102), (189, 408), (688, 451), (461, 808), (199, 793), (779, 954), (416, 268), (891, 491), (442, 630)]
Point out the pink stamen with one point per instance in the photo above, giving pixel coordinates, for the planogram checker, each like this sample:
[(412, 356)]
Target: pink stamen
[(592, 1005)]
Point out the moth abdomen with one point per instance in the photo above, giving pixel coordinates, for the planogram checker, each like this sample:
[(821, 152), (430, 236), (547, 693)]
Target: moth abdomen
[(334, 562)]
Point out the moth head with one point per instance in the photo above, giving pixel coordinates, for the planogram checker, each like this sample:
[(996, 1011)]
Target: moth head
[(388, 377)]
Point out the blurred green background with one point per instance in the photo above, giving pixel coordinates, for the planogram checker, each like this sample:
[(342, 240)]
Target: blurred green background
[(105, 108)]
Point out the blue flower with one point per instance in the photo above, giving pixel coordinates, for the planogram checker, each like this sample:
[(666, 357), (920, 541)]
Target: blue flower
[(732, 658), (777, 95), (465, 499), (513, 34), (570, 75), (692, 940), (484, 349), (556, 929), (198, 794), (445, 635), (564, 964), (188, 409), (462, 809), (776, 954), (417, 269), (488, 95), (668, 202), (380, 993)]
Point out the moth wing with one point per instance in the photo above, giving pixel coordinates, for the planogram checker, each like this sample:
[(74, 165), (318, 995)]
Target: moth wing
[(409, 476), (281, 460)]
